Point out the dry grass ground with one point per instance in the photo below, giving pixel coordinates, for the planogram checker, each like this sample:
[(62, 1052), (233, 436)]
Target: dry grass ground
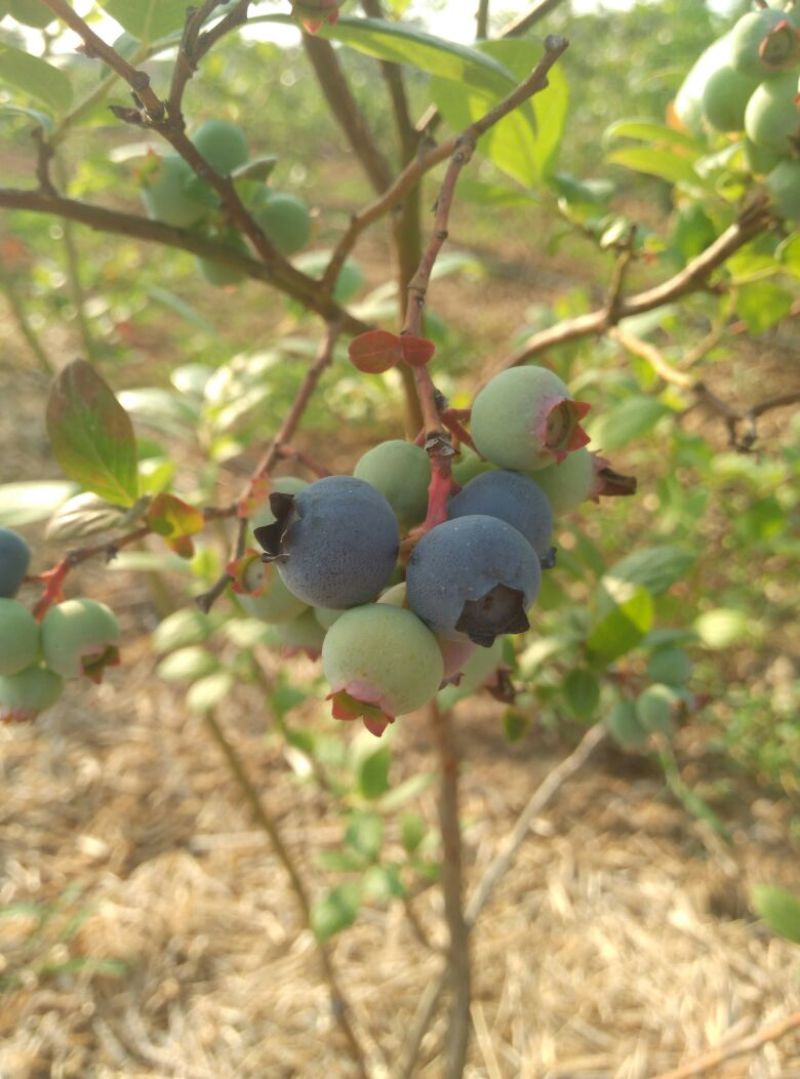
[(147, 930)]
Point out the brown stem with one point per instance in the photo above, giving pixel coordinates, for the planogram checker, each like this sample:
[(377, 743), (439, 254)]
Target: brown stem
[(482, 20), (458, 961), (543, 794), (339, 1006), (139, 81), (753, 1042), (345, 108), (195, 45), (693, 277), (522, 23), (732, 416), (281, 275)]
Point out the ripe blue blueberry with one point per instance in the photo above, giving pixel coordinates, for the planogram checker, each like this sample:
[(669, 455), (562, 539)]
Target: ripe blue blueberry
[(474, 575), (335, 542), (512, 498), (15, 557)]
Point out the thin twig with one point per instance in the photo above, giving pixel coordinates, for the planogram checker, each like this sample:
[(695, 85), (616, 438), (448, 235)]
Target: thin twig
[(693, 277), (522, 23), (339, 1006), (482, 20), (283, 276), (270, 458), (552, 782), (732, 417), (425, 161), (771, 1033), (458, 961)]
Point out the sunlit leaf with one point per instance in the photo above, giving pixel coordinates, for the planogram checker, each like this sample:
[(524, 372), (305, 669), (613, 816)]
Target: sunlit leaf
[(35, 77)]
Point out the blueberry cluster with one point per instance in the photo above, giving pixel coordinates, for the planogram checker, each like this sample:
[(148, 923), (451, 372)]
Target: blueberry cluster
[(74, 638), (746, 82), (391, 630)]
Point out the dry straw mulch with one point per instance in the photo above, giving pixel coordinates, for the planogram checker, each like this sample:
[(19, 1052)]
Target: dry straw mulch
[(147, 930)]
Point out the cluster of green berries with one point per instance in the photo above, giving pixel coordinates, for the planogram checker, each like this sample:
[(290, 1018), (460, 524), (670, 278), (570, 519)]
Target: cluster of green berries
[(74, 638), (746, 82), (174, 194), (391, 629)]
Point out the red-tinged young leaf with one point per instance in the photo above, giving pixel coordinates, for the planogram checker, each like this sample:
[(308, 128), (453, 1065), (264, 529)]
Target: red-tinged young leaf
[(173, 518), (375, 351), (92, 435), (417, 351), (182, 546)]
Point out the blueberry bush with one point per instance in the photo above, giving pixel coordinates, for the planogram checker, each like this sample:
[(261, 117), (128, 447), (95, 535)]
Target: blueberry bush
[(422, 502)]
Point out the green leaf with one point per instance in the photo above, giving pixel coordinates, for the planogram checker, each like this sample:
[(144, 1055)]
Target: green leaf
[(181, 307), (669, 665), (779, 909), (761, 304), (413, 830), (524, 143), (373, 773), (548, 109), (34, 500), (182, 628), (408, 45), (654, 568), (187, 664), (364, 834), (40, 118), (651, 133), (35, 77), (623, 627), (721, 627), (335, 911), (663, 164), (624, 726), (164, 410), (408, 789), (654, 707), (81, 516), (147, 20), (582, 692), (382, 883), (515, 724), (628, 420), (92, 435), (209, 691)]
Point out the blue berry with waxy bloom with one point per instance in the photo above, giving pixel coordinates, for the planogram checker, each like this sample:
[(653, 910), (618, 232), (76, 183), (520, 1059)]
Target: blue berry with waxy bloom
[(512, 498), (15, 557), (473, 575), (335, 542)]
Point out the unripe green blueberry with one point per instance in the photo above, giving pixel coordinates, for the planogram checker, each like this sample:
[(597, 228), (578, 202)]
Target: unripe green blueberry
[(219, 273), (31, 13), (569, 482), (79, 636), (761, 46), (402, 472), (524, 418), (725, 98), (468, 465), (19, 637), (222, 144), (761, 160), (772, 118), (285, 221), (170, 193), (783, 183), (263, 594), (381, 661), (302, 634), (15, 557), (27, 693), (456, 650), (687, 105)]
